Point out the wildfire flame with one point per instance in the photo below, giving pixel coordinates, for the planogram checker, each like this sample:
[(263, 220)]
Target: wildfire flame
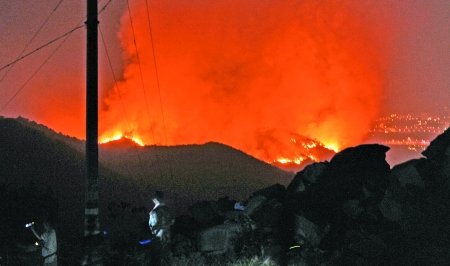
[(120, 135), (332, 146), (297, 160), (256, 75)]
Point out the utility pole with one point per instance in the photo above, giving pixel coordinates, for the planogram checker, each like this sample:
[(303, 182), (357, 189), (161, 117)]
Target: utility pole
[(92, 237)]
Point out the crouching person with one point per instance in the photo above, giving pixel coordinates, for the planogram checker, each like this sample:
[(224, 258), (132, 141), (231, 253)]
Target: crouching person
[(160, 220)]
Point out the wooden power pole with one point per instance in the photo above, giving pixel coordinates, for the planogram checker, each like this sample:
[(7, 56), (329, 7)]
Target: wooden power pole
[(92, 232)]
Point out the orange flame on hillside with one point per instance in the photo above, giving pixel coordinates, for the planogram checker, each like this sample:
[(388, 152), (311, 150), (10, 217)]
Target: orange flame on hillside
[(251, 74), (120, 135)]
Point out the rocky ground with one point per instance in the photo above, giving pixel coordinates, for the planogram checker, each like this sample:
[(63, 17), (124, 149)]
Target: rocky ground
[(353, 210)]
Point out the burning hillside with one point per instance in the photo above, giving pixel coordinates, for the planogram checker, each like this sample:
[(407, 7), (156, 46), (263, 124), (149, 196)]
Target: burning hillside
[(266, 77)]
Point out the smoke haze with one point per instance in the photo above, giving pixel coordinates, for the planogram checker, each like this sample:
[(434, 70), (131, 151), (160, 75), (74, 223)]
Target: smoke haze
[(257, 75)]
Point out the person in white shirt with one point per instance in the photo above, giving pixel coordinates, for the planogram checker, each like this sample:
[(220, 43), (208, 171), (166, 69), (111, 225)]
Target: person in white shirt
[(49, 244), (160, 220)]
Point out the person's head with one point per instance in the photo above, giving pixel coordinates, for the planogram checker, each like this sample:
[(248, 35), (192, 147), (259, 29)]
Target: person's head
[(46, 226), (158, 197)]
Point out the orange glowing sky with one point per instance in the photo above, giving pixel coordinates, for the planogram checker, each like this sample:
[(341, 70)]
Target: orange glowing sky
[(251, 78), (256, 75)]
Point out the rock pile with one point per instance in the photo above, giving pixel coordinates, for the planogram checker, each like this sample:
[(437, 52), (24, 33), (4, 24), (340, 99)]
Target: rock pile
[(353, 210)]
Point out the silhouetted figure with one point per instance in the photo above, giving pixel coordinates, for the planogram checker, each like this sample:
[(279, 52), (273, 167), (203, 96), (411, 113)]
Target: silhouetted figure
[(48, 243), (160, 220)]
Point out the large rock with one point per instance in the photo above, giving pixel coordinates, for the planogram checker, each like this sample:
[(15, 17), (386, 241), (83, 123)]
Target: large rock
[(253, 204), (185, 225), (269, 215), (225, 204), (312, 172), (206, 213), (439, 148), (274, 191), (219, 239), (181, 245), (309, 175), (352, 208), (390, 207), (355, 168), (369, 247), (308, 231), (437, 170), (407, 174), (407, 205)]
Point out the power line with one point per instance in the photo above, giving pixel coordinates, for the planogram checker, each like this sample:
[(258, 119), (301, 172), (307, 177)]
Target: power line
[(37, 70), (42, 46), (140, 71), (157, 81), (104, 7), (23, 56), (156, 73), (33, 37), (120, 95), (64, 36)]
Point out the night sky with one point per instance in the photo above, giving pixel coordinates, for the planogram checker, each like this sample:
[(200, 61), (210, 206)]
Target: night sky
[(264, 72)]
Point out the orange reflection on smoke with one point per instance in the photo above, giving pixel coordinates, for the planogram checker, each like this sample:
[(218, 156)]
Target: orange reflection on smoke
[(255, 75)]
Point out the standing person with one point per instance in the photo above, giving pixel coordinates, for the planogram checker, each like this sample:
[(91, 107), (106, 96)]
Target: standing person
[(159, 222), (49, 244)]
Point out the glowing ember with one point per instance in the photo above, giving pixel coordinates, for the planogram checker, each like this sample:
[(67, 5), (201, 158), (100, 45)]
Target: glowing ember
[(297, 160), (309, 145)]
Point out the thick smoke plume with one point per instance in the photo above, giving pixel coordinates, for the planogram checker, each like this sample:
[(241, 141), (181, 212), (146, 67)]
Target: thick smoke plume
[(257, 75)]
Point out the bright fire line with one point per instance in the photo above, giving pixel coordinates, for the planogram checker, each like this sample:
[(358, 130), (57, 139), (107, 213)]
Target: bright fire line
[(120, 135)]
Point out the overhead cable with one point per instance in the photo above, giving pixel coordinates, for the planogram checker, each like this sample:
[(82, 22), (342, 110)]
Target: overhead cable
[(104, 7), (157, 81), (140, 71), (35, 72), (156, 72), (42, 46), (32, 38), (23, 56), (120, 97)]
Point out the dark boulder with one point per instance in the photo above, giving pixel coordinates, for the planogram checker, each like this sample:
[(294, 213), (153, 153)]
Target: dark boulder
[(307, 233), (436, 170), (439, 148), (352, 208), (225, 204), (309, 175), (219, 239), (407, 174), (364, 249), (206, 213), (353, 171), (253, 204), (274, 191), (355, 167), (405, 190), (390, 206), (185, 225), (181, 245), (269, 215)]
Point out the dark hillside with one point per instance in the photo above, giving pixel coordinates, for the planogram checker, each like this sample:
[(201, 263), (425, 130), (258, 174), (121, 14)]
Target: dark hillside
[(31, 162), (193, 172), (35, 158), (50, 133)]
